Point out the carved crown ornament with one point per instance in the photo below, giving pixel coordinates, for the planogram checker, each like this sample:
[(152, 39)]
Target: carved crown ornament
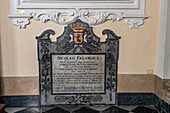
[(93, 12)]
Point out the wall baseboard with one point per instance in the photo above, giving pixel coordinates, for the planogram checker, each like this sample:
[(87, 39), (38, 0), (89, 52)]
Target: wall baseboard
[(143, 99), (123, 99), (135, 99), (21, 101), (161, 105)]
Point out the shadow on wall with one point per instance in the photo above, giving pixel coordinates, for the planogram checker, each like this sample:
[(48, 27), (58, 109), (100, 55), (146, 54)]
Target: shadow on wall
[(0, 70)]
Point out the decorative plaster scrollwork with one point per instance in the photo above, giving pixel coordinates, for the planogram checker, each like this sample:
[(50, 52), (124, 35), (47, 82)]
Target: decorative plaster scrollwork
[(91, 12), (21, 22), (72, 15), (83, 15), (134, 22)]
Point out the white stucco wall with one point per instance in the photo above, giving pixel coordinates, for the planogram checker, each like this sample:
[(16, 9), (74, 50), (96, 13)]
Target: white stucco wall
[(162, 67), (167, 46)]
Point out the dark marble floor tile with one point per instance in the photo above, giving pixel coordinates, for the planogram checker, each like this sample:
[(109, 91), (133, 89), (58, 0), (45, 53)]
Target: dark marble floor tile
[(42, 109), (86, 110), (141, 109), (70, 108), (28, 110), (114, 109), (56, 110)]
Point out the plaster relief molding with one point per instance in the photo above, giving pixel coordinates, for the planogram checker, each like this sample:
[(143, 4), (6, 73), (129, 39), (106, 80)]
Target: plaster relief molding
[(72, 15), (40, 10), (134, 22), (20, 21)]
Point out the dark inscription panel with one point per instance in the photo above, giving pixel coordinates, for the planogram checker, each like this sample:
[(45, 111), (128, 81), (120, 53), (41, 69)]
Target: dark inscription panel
[(84, 73)]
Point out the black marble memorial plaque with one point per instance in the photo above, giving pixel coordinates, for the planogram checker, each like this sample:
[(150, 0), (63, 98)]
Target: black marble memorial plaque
[(78, 68)]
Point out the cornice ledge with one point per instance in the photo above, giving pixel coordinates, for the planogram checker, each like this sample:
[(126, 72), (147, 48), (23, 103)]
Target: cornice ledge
[(21, 21), (91, 17)]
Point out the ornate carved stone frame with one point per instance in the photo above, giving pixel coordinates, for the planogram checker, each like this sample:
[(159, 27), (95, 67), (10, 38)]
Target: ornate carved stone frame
[(65, 45), (89, 11)]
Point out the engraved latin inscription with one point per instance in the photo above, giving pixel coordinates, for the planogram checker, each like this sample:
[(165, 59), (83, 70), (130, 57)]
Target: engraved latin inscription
[(84, 73)]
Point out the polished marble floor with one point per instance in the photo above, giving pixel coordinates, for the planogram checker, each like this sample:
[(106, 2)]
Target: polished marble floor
[(83, 109)]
